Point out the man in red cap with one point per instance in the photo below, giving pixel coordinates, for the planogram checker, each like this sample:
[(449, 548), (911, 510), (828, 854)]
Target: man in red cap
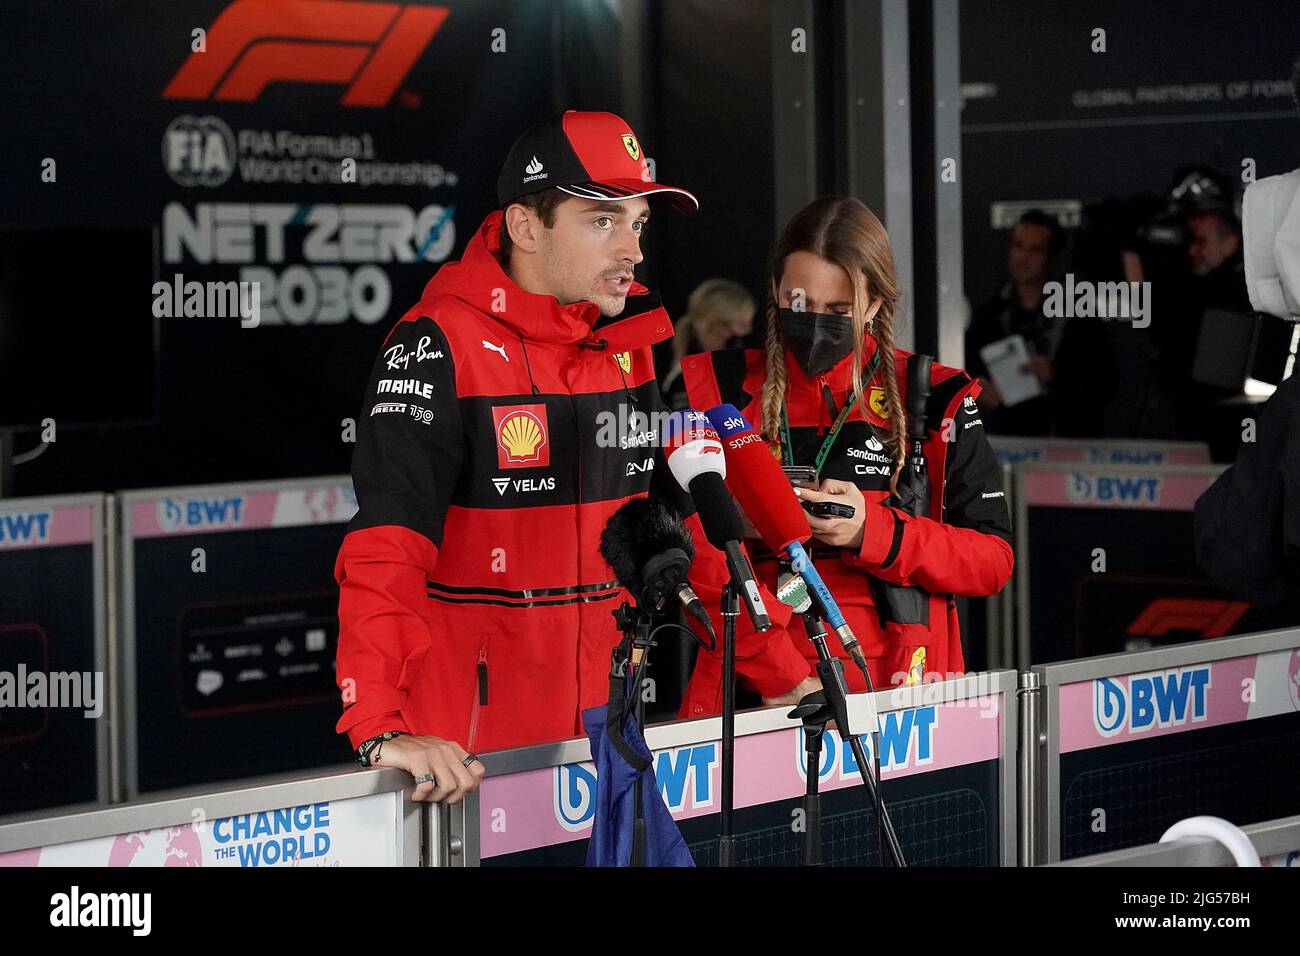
[(474, 605)]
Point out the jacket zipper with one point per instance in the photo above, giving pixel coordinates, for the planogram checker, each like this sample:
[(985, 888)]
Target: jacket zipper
[(577, 468), (480, 696)]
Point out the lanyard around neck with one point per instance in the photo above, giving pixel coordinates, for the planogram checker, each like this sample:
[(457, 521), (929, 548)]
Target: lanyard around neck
[(787, 447)]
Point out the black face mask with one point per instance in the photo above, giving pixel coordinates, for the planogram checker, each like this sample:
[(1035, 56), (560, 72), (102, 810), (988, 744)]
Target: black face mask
[(818, 340)]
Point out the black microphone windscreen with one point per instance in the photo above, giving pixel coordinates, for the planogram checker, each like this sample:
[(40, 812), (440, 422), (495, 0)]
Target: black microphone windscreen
[(638, 531)]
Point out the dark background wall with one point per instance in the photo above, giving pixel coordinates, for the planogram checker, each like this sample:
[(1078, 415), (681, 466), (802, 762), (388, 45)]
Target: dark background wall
[(86, 85), (1043, 135), (239, 404)]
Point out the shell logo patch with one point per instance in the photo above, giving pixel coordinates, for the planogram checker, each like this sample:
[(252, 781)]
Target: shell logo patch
[(522, 438)]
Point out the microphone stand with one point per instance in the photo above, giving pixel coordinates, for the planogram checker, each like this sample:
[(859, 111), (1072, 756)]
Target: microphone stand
[(635, 623), (830, 670), (726, 837), (815, 714)]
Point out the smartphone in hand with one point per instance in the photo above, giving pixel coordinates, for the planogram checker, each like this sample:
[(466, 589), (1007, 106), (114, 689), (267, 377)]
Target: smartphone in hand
[(828, 509)]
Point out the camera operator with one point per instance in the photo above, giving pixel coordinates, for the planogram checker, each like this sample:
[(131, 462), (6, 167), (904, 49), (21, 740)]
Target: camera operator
[(1248, 522)]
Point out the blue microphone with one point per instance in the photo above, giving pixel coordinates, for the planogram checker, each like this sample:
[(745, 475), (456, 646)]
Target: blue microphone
[(802, 565)]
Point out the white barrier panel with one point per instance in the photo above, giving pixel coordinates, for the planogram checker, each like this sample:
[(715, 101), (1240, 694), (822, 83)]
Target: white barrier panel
[(350, 817)]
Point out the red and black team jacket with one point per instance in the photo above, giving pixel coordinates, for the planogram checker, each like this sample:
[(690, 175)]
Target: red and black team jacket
[(961, 547), (495, 442)]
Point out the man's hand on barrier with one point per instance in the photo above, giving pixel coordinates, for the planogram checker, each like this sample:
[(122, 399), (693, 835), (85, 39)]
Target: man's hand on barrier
[(444, 759)]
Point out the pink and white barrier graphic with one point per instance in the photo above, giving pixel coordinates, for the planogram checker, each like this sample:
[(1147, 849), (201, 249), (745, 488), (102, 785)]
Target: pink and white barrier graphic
[(555, 805), (1111, 710), (1013, 452), (357, 832), (1114, 488), (1290, 860), (236, 511), (46, 527)]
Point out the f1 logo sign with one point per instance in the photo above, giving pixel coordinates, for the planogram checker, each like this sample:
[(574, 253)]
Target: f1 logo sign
[(369, 46), (1209, 618)]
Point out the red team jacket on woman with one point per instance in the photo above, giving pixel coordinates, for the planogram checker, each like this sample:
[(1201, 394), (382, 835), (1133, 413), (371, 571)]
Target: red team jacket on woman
[(961, 547), (474, 604)]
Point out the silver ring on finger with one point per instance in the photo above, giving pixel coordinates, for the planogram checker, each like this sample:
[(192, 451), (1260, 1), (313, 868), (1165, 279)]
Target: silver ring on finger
[(425, 778), (468, 760)]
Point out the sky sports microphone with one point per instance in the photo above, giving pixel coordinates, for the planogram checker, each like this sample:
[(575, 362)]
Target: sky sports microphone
[(650, 551), (765, 494), (695, 458)]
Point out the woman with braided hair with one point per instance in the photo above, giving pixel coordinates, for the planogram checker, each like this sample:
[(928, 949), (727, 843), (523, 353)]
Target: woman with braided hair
[(829, 391)]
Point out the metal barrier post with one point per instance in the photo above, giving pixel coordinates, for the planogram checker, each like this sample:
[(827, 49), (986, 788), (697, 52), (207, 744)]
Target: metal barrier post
[(1031, 740)]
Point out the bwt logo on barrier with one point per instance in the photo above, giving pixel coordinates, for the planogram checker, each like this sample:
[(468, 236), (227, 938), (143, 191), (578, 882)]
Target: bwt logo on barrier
[(1113, 488), (1010, 456), (1145, 701), (176, 514), (369, 46), (906, 740), (684, 776), (1125, 456), (24, 527)]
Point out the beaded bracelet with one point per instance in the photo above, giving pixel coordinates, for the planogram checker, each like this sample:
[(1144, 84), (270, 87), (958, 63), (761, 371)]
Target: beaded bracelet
[(369, 750)]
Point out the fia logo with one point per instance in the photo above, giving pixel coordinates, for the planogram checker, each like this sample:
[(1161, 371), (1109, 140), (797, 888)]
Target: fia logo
[(198, 151)]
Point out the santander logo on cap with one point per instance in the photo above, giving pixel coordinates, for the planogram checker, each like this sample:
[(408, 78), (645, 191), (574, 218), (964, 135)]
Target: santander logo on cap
[(534, 170)]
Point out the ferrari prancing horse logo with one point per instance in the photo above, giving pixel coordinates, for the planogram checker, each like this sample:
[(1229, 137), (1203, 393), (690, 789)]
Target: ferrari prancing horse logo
[(632, 146), (624, 361)]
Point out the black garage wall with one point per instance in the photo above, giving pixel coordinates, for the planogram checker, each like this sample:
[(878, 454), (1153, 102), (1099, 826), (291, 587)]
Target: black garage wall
[(84, 84), (712, 119), (1181, 81)]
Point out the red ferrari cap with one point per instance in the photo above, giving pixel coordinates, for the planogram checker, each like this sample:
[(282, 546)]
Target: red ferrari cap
[(587, 154)]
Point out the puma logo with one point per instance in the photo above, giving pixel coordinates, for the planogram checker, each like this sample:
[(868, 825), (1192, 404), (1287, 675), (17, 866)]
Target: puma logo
[(496, 348)]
